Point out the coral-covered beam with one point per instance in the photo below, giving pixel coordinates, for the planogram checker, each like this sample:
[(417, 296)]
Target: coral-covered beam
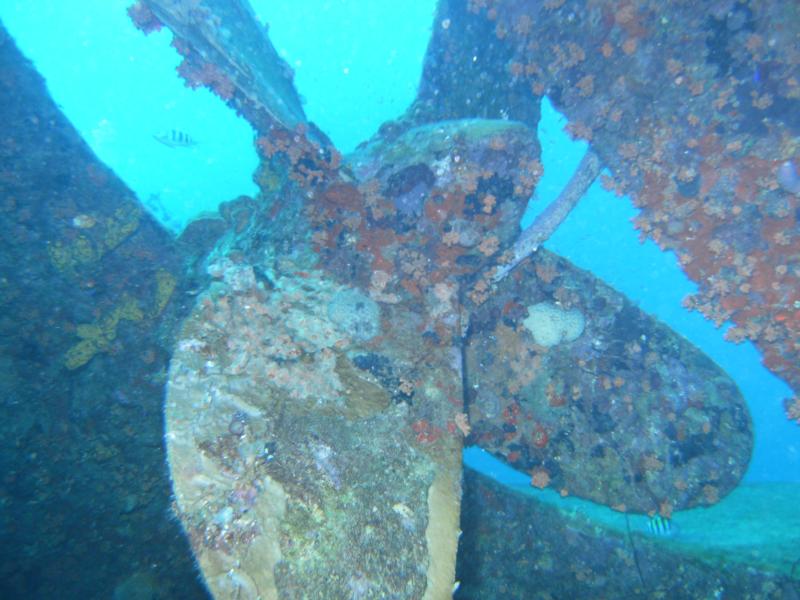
[(226, 49), (551, 217)]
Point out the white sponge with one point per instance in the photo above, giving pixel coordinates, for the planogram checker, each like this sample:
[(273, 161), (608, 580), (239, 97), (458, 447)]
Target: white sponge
[(551, 325)]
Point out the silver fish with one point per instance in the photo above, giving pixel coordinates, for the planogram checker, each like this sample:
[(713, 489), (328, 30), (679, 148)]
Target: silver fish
[(175, 139), (660, 526)]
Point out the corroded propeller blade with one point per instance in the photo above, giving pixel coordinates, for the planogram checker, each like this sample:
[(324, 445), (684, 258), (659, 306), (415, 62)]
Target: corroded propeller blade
[(225, 48), (314, 409), (572, 382), (295, 471)]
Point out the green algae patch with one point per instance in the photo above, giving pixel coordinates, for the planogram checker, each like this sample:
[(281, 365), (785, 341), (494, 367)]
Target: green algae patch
[(97, 337), (70, 254), (121, 225), (67, 256), (165, 286)]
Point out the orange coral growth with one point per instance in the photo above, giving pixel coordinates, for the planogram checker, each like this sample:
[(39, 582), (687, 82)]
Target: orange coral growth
[(426, 433), (540, 478), (711, 494), (539, 436), (488, 203), (585, 85), (579, 131), (277, 142), (489, 245), (793, 409), (343, 195), (510, 413), (419, 425), (446, 261), (435, 211), (629, 46), (374, 240), (411, 287), (198, 72), (143, 18), (462, 422)]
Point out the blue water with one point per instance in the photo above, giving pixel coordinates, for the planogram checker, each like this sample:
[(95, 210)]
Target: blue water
[(356, 65), (119, 88)]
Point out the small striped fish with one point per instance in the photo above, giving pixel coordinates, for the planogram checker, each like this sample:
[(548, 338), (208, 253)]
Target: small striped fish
[(659, 526), (175, 139)]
